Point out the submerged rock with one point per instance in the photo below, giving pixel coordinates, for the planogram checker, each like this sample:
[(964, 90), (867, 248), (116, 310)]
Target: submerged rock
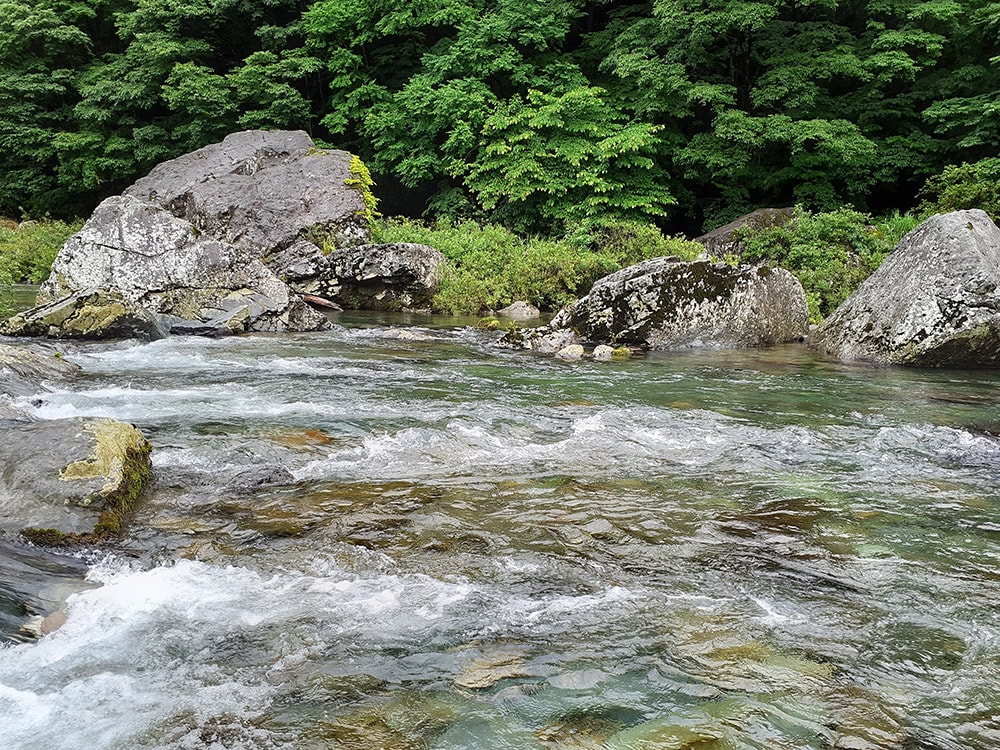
[(71, 480), (934, 302), (664, 304)]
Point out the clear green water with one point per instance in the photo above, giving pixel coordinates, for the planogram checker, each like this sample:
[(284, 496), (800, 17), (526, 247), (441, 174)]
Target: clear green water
[(358, 540)]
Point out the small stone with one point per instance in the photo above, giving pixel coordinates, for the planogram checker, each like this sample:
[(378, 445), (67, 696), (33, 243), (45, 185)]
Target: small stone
[(520, 310), (571, 352), (603, 351)]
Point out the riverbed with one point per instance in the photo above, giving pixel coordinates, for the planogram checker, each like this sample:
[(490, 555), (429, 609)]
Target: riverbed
[(395, 535)]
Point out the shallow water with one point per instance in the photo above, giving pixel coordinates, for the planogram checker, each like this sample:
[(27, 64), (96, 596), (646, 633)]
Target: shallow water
[(359, 540)]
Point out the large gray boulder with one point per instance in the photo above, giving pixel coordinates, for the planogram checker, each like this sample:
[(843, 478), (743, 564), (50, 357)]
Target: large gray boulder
[(664, 304), (261, 191), (205, 243), (934, 302), (71, 480), (137, 270)]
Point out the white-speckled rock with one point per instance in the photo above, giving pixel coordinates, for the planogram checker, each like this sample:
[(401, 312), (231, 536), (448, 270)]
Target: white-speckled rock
[(663, 304), (934, 302)]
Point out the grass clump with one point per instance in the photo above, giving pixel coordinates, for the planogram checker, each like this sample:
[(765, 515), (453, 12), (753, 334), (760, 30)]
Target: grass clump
[(489, 266), (830, 252), (28, 249)]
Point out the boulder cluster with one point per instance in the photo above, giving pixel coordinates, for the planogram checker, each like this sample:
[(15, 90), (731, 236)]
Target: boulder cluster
[(229, 239)]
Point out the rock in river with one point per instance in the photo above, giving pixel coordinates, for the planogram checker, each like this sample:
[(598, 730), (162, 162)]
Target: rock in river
[(73, 480), (664, 304), (225, 240), (934, 302)]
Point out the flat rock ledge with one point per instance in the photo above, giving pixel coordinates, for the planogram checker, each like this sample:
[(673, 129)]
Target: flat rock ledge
[(664, 304), (934, 302), (71, 481)]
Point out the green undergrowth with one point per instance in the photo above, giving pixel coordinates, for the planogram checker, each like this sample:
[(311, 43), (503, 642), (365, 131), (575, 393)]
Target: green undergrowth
[(28, 249), (830, 252), (489, 266)]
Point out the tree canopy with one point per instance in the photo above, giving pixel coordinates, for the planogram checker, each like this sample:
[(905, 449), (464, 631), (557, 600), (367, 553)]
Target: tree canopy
[(541, 115)]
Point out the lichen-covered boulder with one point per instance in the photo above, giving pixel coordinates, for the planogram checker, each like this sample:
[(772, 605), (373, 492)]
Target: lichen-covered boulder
[(262, 191), (934, 302), (135, 270), (664, 304), (88, 314), (71, 480), (396, 276)]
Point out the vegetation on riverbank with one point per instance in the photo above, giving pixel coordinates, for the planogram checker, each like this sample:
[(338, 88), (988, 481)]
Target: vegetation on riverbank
[(28, 249), (536, 116), (490, 266)]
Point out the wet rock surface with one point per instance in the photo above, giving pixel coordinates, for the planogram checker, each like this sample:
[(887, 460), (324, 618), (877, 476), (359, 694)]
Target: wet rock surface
[(390, 277), (934, 302), (76, 478)]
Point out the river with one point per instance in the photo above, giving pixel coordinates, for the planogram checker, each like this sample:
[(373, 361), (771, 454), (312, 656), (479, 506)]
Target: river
[(394, 535)]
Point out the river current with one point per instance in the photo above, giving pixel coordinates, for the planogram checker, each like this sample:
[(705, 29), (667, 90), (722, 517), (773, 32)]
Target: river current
[(394, 535)]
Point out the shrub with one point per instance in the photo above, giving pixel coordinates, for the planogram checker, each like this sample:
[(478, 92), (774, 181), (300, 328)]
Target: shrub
[(974, 185), (27, 250), (831, 253), (489, 266)]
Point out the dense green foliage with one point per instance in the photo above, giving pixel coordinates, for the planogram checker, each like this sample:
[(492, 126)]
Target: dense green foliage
[(27, 250), (965, 186), (830, 252), (489, 266), (542, 116)]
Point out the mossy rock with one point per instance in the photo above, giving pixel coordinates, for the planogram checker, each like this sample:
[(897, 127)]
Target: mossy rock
[(72, 481)]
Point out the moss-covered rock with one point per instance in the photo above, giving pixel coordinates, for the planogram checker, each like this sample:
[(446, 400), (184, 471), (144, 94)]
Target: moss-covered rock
[(71, 481)]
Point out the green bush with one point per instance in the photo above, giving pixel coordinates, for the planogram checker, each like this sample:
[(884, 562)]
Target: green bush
[(831, 252), (974, 185), (27, 250), (489, 266)]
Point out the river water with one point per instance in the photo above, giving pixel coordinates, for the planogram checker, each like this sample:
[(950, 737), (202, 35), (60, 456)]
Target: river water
[(394, 535)]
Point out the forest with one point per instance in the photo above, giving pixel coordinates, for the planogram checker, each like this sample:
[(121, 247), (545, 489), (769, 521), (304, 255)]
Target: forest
[(542, 117)]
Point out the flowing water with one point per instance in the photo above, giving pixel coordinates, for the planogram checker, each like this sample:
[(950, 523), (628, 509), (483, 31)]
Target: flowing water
[(404, 538)]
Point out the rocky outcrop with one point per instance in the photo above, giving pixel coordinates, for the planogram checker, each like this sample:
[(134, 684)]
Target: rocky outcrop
[(728, 239), (71, 480), (934, 302), (226, 240), (663, 304), (137, 270), (261, 191), (397, 276)]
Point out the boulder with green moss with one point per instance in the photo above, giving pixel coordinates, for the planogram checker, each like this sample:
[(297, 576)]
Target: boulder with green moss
[(934, 302), (71, 480), (664, 304)]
